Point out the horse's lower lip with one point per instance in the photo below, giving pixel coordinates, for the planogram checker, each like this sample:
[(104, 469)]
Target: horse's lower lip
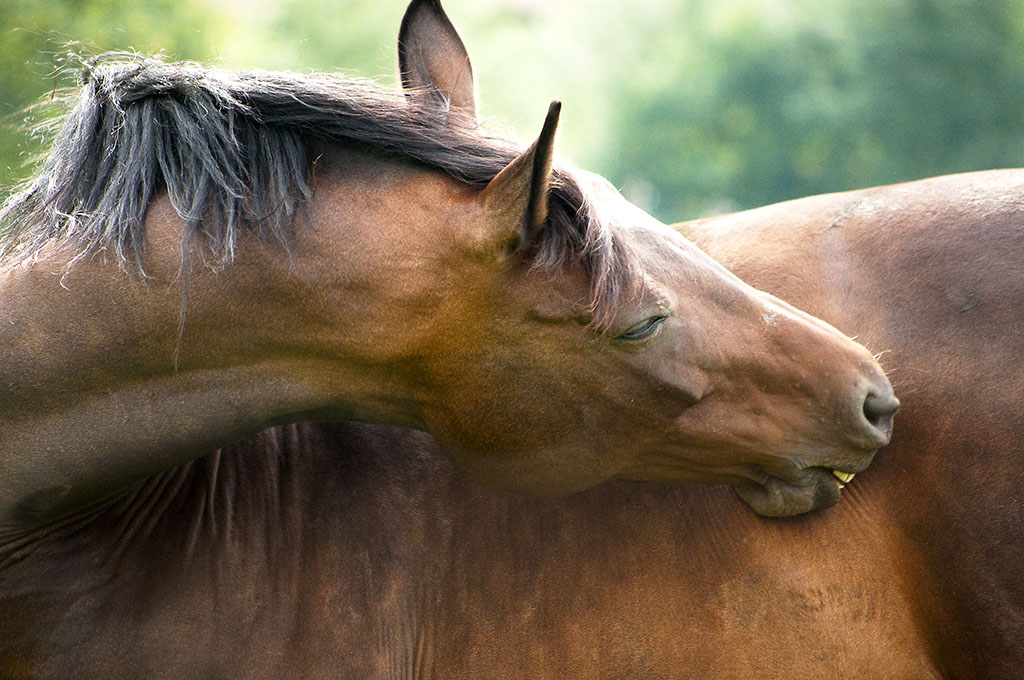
[(815, 489)]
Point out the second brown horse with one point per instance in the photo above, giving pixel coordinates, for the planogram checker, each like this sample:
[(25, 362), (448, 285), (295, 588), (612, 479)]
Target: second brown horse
[(358, 551)]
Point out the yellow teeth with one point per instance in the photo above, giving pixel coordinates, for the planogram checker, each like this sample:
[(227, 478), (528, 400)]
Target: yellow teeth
[(844, 477)]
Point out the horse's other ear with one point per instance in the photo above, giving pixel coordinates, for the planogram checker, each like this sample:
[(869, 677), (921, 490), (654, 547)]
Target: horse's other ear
[(432, 58), (519, 193)]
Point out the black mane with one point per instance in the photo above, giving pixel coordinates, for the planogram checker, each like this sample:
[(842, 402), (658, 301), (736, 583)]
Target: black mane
[(232, 151)]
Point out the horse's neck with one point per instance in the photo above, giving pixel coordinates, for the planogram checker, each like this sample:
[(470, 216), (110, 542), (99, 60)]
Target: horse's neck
[(101, 386)]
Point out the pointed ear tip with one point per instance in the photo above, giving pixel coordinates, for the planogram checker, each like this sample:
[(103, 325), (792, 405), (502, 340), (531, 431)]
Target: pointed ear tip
[(551, 120), (416, 4)]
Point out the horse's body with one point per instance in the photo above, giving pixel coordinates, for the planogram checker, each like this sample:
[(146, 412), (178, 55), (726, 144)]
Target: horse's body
[(357, 551)]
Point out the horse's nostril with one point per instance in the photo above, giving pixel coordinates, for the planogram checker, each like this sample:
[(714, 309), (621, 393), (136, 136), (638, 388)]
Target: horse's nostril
[(879, 406)]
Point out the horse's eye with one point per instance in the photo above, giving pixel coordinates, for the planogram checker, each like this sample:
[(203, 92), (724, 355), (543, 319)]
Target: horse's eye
[(644, 329)]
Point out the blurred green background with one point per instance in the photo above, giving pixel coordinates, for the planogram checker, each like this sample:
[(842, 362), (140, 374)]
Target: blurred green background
[(692, 107)]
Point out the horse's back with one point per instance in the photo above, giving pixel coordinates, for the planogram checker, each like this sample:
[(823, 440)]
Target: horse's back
[(900, 260)]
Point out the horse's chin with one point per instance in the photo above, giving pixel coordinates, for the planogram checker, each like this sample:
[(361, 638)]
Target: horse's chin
[(778, 498)]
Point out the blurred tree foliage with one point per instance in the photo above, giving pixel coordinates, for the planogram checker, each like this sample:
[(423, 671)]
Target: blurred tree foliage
[(759, 102), (692, 106), (34, 41)]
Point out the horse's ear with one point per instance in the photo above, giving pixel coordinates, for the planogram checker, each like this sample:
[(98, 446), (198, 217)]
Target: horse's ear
[(519, 193), (432, 58)]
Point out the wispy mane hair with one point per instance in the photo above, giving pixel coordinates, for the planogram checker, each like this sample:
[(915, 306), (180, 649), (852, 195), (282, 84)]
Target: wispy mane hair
[(232, 151)]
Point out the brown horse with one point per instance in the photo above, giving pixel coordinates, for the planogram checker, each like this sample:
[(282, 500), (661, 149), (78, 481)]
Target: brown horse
[(204, 254), (347, 550), (358, 551)]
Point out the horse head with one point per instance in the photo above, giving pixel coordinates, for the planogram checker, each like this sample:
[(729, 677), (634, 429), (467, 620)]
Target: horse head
[(588, 341)]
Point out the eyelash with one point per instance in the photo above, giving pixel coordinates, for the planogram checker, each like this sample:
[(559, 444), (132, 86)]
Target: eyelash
[(644, 329)]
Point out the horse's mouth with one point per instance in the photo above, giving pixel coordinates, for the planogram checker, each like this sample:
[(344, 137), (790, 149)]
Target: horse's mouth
[(817, 488)]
